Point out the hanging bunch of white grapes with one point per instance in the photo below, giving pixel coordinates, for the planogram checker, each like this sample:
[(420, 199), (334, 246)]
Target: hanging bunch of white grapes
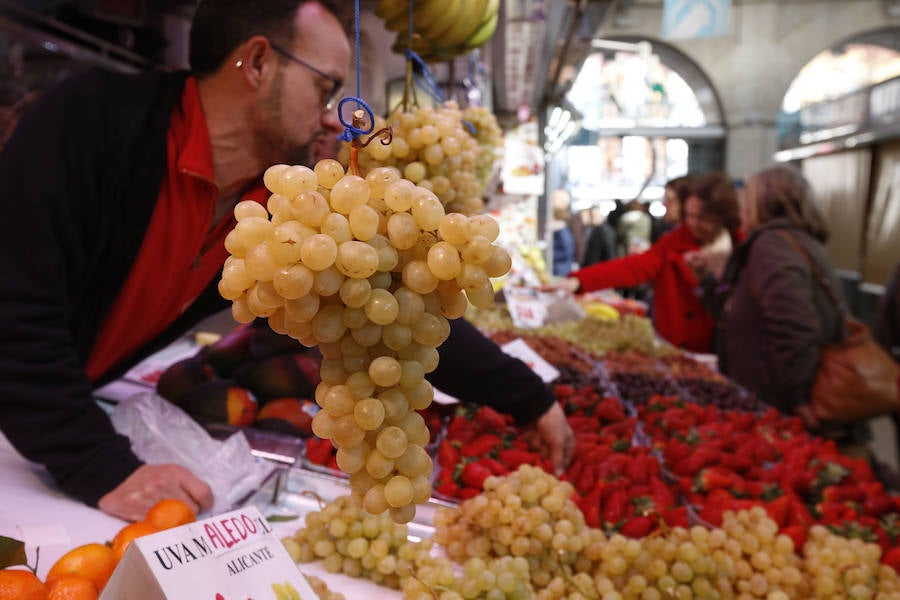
[(370, 270), (490, 139), (435, 149)]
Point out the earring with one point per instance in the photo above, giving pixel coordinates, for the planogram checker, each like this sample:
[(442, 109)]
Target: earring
[(239, 63)]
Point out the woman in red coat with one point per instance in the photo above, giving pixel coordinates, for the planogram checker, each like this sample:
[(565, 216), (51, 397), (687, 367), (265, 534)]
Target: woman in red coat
[(710, 211)]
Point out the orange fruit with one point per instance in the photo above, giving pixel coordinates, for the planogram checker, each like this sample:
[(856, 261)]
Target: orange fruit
[(169, 513), (73, 587), (16, 584), (91, 561), (128, 533)]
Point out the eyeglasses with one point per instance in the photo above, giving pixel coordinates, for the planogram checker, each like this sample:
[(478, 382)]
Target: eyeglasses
[(336, 84)]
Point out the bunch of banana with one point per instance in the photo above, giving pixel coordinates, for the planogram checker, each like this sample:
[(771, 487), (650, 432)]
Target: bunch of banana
[(442, 29), (601, 311)]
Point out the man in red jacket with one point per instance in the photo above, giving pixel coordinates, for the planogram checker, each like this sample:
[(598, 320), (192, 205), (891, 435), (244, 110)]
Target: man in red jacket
[(710, 211)]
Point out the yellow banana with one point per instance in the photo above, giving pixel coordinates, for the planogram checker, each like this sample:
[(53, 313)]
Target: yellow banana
[(483, 33), (464, 27), (389, 9), (440, 26), (424, 15)]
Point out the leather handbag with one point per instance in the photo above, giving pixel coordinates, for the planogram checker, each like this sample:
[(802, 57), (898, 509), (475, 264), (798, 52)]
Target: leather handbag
[(856, 378)]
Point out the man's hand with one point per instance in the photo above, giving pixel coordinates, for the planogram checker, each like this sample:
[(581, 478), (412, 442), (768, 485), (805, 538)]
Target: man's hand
[(697, 262), (552, 436), (152, 483)]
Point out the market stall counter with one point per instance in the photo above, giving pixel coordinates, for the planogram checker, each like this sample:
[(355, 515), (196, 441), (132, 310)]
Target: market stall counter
[(34, 511)]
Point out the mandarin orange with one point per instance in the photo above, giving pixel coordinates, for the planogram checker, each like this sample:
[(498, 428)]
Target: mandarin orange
[(129, 533), (169, 513), (17, 584), (95, 562), (73, 587)]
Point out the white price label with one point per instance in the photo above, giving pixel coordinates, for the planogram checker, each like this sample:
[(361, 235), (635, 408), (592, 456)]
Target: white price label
[(518, 348), (527, 310)]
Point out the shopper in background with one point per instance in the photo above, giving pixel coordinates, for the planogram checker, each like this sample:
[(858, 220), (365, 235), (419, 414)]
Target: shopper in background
[(565, 245), (887, 317), (601, 239), (675, 194), (679, 316), (775, 314), (122, 189)]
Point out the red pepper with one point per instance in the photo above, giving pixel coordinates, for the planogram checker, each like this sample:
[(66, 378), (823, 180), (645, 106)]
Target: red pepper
[(484, 444)]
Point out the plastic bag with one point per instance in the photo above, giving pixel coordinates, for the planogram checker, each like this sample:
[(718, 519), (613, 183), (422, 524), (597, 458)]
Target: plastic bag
[(162, 433)]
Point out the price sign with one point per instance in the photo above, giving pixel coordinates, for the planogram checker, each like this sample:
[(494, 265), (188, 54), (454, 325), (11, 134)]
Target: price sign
[(527, 310), (518, 348), (233, 556)]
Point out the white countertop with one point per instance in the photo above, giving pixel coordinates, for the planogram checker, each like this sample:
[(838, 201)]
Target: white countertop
[(34, 511)]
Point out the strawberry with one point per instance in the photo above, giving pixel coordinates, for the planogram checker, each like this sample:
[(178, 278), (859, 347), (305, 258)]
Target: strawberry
[(487, 419), (449, 489), (474, 474), (713, 478), (318, 451), (615, 508), (484, 444), (448, 454), (676, 516), (892, 559), (779, 510), (798, 534), (636, 527), (461, 429), (495, 467), (514, 458), (878, 505), (468, 492)]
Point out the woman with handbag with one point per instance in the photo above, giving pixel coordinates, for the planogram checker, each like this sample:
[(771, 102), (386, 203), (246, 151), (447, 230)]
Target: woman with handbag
[(780, 303)]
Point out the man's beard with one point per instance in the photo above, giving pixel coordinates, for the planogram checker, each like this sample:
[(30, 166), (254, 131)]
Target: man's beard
[(271, 142)]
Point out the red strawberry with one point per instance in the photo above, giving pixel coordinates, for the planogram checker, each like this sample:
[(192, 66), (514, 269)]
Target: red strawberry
[(636, 527), (615, 508), (496, 468), (514, 458), (878, 505), (448, 455), (461, 429), (713, 478), (892, 559), (676, 516), (468, 492), (798, 534), (779, 510), (474, 474), (487, 419), (487, 443)]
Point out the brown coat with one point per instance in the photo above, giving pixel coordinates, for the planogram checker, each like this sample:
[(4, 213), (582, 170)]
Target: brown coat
[(776, 316)]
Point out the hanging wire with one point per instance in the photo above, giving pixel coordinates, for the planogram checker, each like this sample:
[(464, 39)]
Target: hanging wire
[(353, 130)]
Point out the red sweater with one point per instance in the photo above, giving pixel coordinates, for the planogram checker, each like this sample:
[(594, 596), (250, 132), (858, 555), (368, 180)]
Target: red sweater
[(678, 314)]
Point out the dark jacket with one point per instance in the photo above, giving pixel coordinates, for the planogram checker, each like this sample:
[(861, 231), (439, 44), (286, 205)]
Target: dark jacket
[(678, 314), (887, 318), (601, 245), (776, 316), (79, 180)]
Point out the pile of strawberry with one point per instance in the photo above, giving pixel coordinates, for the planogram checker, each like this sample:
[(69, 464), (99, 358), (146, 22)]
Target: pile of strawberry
[(479, 442), (728, 460), (618, 485)]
